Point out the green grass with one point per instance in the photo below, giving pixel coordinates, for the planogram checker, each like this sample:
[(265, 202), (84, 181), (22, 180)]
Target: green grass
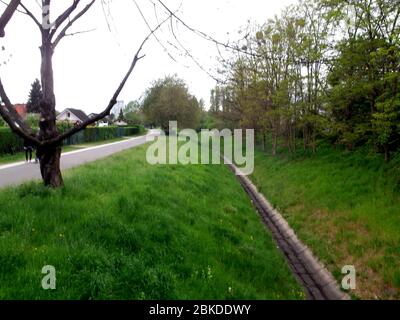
[(123, 229), (346, 207)]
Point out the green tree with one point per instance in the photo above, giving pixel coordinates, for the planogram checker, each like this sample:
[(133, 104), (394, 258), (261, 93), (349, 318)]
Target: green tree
[(277, 85), (35, 96), (169, 99), (133, 113), (121, 116), (364, 95), (110, 119), (322, 69)]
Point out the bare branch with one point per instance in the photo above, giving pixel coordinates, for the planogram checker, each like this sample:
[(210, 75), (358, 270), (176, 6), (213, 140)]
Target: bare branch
[(79, 32), (26, 12), (64, 16), (63, 32), (148, 25), (7, 15), (114, 98), (31, 15), (201, 33), (13, 119), (187, 52)]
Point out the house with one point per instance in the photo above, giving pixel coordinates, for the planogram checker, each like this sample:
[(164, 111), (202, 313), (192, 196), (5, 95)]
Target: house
[(74, 116), (97, 123), (21, 109), (120, 123)]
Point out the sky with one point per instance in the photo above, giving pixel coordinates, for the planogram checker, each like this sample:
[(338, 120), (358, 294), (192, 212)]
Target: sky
[(89, 66)]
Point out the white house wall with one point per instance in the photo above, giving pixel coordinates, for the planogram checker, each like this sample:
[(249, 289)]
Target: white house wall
[(72, 118)]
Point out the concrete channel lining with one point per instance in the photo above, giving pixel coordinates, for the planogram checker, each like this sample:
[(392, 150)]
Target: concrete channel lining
[(315, 278)]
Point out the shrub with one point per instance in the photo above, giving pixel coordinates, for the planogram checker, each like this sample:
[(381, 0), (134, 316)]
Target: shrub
[(10, 143), (94, 134)]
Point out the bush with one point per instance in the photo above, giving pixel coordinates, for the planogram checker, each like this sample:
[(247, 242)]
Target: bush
[(94, 134), (10, 143)]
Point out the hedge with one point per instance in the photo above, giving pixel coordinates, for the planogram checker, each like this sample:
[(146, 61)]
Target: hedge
[(10, 143), (94, 134)]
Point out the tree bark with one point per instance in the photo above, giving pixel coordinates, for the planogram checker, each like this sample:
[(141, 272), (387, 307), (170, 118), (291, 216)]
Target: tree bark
[(387, 153), (264, 137), (7, 15), (50, 166), (274, 143), (49, 155)]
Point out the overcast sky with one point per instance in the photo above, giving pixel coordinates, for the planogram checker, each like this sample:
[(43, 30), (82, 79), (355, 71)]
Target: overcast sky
[(89, 66)]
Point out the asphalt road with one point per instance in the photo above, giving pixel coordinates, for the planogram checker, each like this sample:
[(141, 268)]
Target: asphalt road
[(17, 173)]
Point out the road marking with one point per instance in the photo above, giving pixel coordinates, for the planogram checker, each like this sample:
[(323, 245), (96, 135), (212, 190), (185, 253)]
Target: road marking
[(17, 164), (99, 147)]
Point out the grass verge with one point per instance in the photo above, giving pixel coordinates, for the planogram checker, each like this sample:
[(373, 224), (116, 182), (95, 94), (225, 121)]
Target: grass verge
[(123, 229), (346, 207)]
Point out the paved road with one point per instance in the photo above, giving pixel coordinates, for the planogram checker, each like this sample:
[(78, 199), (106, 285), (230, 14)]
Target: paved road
[(17, 173)]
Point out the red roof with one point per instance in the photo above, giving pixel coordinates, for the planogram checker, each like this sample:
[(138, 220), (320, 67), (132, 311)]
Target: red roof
[(21, 109)]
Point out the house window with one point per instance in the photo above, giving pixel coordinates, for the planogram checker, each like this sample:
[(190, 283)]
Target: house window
[(68, 114)]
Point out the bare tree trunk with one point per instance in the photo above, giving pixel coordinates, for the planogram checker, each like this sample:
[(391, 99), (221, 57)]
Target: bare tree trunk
[(387, 153), (314, 141), (290, 138), (264, 141), (50, 166), (305, 137), (274, 143), (49, 155), (294, 138)]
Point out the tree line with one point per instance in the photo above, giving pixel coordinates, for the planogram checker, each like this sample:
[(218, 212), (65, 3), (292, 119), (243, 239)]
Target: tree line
[(322, 69)]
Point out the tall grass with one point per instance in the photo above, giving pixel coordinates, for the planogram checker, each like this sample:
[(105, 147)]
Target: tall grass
[(122, 229), (346, 206)]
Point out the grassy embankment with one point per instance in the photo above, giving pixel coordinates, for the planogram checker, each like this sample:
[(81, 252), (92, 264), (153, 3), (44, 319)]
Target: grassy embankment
[(123, 229), (346, 207)]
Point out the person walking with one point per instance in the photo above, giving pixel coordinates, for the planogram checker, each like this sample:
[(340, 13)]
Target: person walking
[(37, 159), (28, 147)]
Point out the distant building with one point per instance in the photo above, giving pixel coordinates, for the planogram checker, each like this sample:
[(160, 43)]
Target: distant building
[(21, 109), (73, 116), (120, 123), (92, 115)]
